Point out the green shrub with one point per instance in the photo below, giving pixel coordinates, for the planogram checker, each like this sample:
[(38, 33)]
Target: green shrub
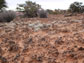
[(7, 16), (76, 7), (30, 9)]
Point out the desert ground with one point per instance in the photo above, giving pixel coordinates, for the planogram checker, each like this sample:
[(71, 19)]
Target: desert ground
[(56, 39)]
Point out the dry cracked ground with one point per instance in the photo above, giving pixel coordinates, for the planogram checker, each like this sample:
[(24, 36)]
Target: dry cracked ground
[(56, 39)]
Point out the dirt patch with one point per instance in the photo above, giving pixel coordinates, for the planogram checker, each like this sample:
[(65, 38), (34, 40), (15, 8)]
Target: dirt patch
[(56, 39)]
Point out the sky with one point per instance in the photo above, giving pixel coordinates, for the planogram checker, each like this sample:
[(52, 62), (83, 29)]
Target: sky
[(46, 4)]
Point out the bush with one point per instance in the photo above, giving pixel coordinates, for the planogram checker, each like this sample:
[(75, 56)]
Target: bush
[(76, 7), (30, 13), (30, 9), (7, 16), (42, 14)]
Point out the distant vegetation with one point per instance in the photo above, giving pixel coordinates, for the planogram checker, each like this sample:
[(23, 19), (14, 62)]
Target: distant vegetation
[(32, 9), (76, 7), (56, 11)]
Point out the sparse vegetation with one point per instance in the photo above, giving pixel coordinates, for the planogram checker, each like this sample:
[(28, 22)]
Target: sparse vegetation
[(7, 16), (49, 11), (76, 7), (56, 11), (43, 14), (30, 9)]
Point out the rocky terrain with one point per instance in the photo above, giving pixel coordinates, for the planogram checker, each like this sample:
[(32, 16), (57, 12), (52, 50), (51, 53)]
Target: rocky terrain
[(56, 39)]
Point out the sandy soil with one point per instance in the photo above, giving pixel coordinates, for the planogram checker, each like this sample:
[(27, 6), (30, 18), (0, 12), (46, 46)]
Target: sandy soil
[(56, 39)]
